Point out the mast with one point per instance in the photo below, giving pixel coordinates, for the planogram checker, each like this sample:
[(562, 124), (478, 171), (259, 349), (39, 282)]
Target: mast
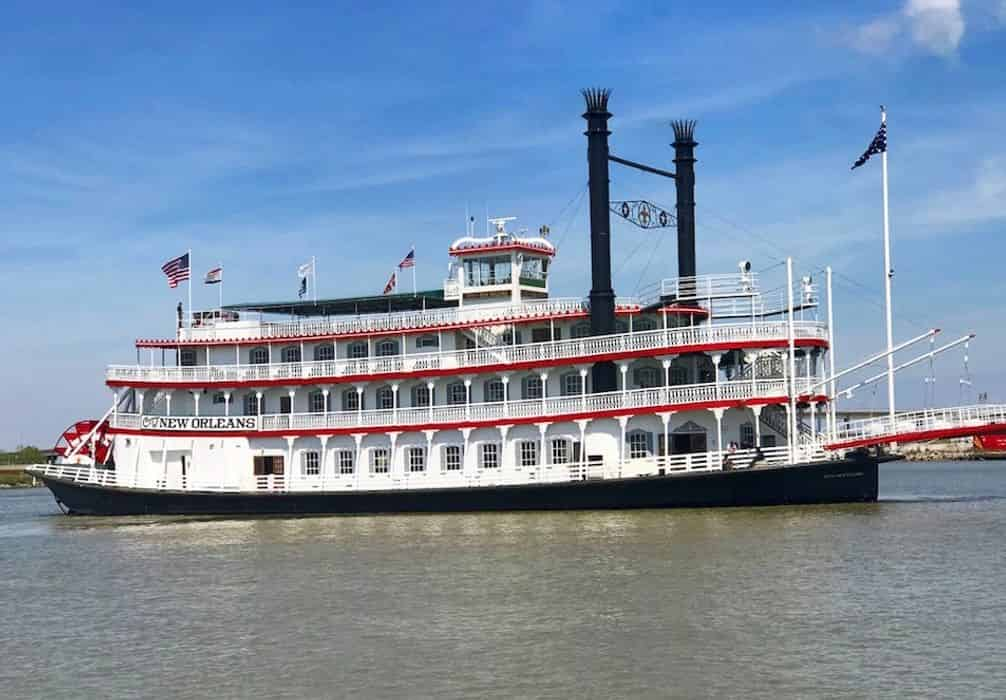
[(888, 274)]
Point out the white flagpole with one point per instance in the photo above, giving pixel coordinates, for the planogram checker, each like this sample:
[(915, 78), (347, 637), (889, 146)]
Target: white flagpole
[(413, 269), (192, 271), (888, 274), (314, 281), (221, 290)]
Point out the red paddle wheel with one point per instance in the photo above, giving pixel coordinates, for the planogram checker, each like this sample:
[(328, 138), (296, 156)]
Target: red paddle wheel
[(76, 439)]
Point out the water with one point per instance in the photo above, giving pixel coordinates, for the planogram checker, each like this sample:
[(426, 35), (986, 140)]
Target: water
[(898, 599)]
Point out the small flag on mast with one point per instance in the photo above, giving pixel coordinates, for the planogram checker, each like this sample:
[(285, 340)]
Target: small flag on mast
[(878, 145), (177, 270), (408, 261), (390, 286), (304, 271), (214, 276)]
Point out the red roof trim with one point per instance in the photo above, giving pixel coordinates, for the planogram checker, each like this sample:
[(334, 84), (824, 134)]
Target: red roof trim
[(524, 420), (497, 248), (483, 369)]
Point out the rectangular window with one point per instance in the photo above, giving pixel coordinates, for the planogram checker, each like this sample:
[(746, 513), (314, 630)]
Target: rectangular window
[(539, 335), (527, 455), (457, 394), (560, 451), (218, 397), (427, 342), (187, 358), (317, 401), (452, 458), (679, 375), (416, 459), (747, 436), (310, 463), (421, 396), (380, 460), (345, 460), (490, 455), (351, 400), (532, 388), (285, 404), (571, 384), (494, 390), (639, 444)]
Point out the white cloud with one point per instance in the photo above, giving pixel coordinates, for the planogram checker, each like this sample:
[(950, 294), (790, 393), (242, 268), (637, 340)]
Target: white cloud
[(933, 26)]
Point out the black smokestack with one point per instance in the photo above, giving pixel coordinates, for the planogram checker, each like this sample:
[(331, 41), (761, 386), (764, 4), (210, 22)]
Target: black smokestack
[(602, 297), (684, 160)]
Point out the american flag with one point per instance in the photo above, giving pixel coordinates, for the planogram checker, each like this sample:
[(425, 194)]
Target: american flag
[(390, 286), (214, 276), (878, 145), (177, 270), (408, 261)]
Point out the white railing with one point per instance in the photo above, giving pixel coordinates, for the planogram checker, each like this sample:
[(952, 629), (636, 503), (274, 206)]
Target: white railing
[(468, 477), (881, 427), (386, 322), (551, 408), (527, 354)]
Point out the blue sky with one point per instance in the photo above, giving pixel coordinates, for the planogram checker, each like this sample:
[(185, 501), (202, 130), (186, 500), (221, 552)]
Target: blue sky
[(259, 136)]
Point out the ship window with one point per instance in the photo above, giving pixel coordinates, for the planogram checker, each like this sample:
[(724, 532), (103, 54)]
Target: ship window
[(259, 356), (387, 347), (357, 350), (380, 460), (345, 458), (457, 393), (385, 398), (310, 464), (679, 375), (452, 458), (647, 377), (316, 401), (218, 397), (527, 455), (291, 353), (490, 455), (560, 451), (324, 352), (427, 342), (747, 436), (580, 330), (531, 387), (264, 466), (187, 357), (421, 396), (539, 335), (416, 459), (285, 404), (644, 324), (351, 400), (251, 405), (640, 444), (572, 384), (494, 390)]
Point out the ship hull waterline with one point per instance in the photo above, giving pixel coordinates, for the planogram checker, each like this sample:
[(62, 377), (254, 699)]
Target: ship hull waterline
[(847, 481)]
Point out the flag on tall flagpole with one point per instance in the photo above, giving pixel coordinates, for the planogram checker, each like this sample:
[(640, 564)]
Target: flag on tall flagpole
[(878, 145), (177, 270), (408, 261), (390, 286), (304, 271), (214, 276)]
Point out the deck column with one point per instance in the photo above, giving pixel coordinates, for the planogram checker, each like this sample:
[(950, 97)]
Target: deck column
[(505, 378), (582, 424), (504, 452), (756, 410), (357, 467), (542, 429), (290, 469), (227, 403), (583, 388), (139, 401), (623, 369), (195, 398), (468, 398), (430, 385), (466, 469), (623, 423), (544, 391), (665, 419), (167, 401), (324, 458), (718, 414)]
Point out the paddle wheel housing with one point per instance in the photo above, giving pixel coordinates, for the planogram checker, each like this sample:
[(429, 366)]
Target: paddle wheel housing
[(86, 441)]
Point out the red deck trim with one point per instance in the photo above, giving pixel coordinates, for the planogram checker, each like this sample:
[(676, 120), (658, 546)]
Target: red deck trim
[(920, 436), (169, 344), (498, 248), (610, 413), (482, 369)]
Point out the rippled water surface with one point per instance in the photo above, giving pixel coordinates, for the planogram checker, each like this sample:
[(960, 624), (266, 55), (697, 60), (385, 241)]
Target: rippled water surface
[(904, 598)]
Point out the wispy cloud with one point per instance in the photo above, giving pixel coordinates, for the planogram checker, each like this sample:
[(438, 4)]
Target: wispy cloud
[(931, 26)]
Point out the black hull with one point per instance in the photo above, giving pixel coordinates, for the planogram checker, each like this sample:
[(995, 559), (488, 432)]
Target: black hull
[(850, 481)]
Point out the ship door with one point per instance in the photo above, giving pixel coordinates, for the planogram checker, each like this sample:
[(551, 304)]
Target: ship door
[(268, 465), (688, 438)]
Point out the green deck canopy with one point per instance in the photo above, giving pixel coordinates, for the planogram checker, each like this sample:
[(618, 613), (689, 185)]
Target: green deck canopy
[(349, 306)]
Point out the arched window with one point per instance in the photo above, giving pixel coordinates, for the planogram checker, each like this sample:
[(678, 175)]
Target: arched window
[(357, 350), (580, 330), (316, 401), (351, 400), (291, 353), (324, 352), (259, 356), (421, 396), (644, 324), (646, 377), (251, 404), (494, 390), (456, 393), (640, 444), (531, 387), (385, 398), (387, 348), (571, 384)]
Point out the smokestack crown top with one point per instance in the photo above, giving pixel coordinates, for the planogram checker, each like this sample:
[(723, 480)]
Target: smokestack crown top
[(597, 100), (684, 130)]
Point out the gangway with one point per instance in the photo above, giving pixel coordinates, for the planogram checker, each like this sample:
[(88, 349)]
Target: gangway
[(920, 426)]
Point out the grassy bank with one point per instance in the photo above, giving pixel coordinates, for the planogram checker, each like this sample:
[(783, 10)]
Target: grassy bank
[(14, 480)]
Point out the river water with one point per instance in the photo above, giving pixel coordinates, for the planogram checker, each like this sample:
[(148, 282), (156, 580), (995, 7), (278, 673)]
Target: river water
[(903, 598)]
